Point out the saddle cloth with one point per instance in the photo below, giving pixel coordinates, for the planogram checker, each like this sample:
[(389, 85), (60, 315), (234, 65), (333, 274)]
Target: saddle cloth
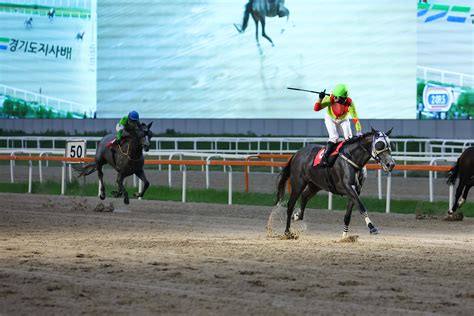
[(320, 154)]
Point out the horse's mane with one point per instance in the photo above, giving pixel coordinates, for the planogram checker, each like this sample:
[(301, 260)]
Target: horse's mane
[(355, 139)]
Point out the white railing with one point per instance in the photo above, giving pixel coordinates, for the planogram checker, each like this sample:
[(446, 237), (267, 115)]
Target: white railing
[(80, 4), (56, 103), (445, 77), (252, 145)]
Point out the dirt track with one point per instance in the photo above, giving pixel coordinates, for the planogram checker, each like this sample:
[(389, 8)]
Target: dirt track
[(59, 256)]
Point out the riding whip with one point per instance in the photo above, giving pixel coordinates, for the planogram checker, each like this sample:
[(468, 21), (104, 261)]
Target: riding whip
[(312, 91)]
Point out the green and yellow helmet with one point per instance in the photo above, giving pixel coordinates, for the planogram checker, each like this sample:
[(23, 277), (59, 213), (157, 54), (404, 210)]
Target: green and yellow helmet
[(341, 90)]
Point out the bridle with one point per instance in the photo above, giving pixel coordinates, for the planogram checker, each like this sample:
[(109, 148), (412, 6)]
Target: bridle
[(379, 138)]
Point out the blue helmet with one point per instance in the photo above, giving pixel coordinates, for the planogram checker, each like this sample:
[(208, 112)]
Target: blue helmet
[(133, 116)]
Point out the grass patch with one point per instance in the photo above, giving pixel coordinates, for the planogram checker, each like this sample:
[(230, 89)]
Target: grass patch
[(165, 193)]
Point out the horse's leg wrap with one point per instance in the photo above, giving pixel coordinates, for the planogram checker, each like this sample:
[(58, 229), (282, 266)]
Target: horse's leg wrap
[(345, 231), (372, 229)]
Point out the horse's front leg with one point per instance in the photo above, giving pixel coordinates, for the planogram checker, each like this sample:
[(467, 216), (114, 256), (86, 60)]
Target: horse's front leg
[(307, 195), (100, 173), (265, 34), (347, 218), (119, 182), (123, 190), (141, 175), (353, 195)]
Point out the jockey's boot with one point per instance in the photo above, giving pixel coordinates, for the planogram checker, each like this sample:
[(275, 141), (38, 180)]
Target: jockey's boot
[(329, 148), (115, 142)]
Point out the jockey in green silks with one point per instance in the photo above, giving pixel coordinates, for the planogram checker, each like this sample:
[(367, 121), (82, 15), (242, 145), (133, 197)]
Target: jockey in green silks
[(125, 123)]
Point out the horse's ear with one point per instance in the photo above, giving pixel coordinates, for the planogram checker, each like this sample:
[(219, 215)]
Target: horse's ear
[(149, 125), (389, 132), (373, 130)]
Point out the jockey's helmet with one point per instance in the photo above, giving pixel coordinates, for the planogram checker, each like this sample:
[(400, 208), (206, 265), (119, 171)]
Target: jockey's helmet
[(133, 115), (341, 91)]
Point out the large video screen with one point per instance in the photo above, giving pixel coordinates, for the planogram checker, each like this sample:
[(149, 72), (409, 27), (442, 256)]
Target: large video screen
[(187, 59), (48, 59), (445, 59), (403, 59)]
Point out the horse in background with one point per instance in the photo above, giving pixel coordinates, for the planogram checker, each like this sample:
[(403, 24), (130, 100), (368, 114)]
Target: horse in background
[(51, 14), (80, 35), (126, 158), (464, 170), (261, 9), (29, 23)]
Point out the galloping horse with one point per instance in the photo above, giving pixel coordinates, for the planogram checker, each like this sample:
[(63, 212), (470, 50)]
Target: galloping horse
[(127, 159), (29, 23), (261, 9), (464, 169), (51, 14), (345, 177), (80, 35)]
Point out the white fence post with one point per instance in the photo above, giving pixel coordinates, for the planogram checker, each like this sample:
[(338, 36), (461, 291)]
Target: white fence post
[(40, 171), (431, 185), (451, 196), (230, 185), (12, 178), (140, 186), (169, 176), (389, 192), (63, 178), (30, 176), (183, 196), (379, 182), (329, 201)]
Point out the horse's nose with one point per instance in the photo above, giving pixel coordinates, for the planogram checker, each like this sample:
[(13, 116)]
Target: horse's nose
[(390, 166)]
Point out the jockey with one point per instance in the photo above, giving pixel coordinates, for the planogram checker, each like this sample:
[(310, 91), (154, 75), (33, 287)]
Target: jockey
[(339, 105), (127, 122)]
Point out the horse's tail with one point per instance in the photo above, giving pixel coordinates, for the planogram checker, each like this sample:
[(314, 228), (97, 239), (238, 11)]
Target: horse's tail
[(86, 170), (282, 179), (453, 173), (248, 10)]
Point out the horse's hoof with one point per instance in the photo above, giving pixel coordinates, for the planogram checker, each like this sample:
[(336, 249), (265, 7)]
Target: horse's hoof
[(116, 194), (126, 200), (238, 28), (102, 197), (137, 195), (374, 231)]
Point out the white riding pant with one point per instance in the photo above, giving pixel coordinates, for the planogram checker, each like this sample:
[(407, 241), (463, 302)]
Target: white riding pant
[(119, 127), (336, 127)]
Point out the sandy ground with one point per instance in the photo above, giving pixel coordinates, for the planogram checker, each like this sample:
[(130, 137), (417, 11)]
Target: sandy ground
[(58, 256)]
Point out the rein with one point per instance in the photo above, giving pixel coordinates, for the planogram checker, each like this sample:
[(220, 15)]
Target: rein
[(128, 153)]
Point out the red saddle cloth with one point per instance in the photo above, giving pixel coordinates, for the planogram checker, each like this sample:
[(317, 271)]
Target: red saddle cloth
[(320, 154), (110, 144)]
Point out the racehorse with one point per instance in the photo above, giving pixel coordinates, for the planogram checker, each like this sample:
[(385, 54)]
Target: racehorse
[(464, 170), (80, 36), (261, 9), (51, 14), (345, 177), (127, 159), (29, 23)]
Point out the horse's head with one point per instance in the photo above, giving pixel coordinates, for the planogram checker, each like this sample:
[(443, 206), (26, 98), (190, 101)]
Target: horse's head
[(381, 150), (146, 135)]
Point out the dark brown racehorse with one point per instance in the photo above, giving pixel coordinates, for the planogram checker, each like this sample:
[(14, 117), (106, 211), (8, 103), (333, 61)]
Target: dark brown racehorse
[(464, 170), (126, 158), (261, 9), (345, 177)]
